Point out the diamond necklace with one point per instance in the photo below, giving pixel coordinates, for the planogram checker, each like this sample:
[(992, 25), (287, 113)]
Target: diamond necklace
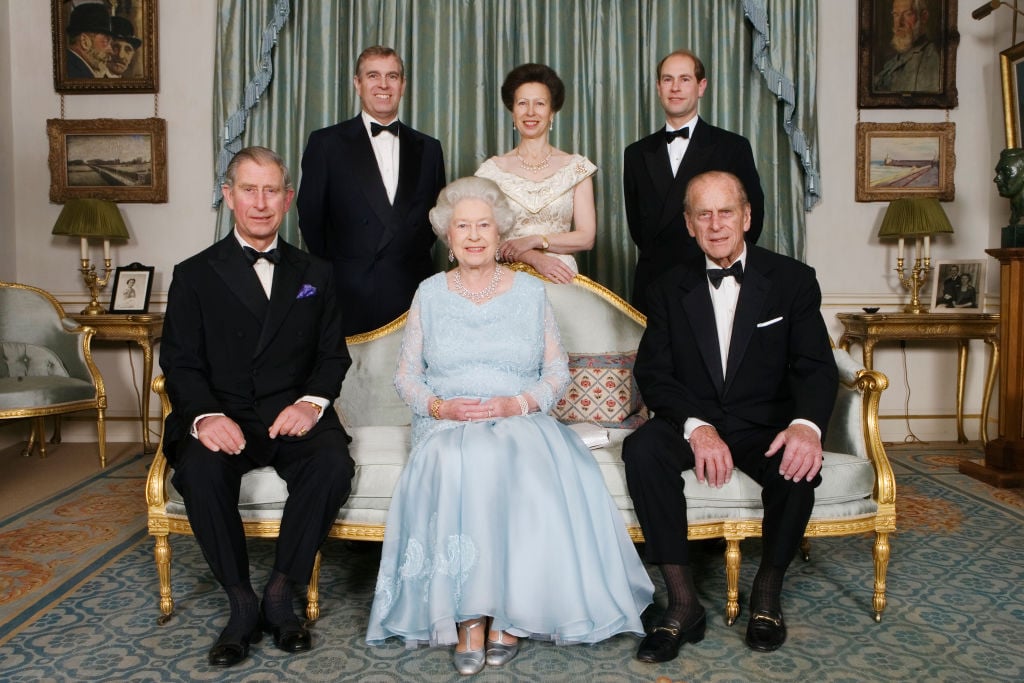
[(484, 293), (539, 166)]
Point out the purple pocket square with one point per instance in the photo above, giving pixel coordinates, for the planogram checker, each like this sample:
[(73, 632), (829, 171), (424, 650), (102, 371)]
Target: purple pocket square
[(306, 291)]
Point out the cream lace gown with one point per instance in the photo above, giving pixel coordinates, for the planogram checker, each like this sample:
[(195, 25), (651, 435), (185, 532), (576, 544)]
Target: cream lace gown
[(507, 517), (542, 207)]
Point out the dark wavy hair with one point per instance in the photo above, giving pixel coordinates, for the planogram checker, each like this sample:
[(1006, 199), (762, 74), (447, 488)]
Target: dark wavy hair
[(533, 73)]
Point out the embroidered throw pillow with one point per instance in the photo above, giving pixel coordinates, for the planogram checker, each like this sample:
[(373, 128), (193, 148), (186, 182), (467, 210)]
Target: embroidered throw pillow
[(602, 392)]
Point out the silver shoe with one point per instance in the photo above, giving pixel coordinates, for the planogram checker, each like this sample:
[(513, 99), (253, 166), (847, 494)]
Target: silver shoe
[(499, 653), (471, 661)]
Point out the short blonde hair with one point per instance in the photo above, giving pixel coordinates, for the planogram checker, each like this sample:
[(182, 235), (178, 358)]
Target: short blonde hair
[(470, 187)]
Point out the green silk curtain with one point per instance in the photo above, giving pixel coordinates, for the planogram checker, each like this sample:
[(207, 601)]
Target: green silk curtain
[(457, 52)]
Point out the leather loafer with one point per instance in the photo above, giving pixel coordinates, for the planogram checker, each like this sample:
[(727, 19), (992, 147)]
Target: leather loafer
[(663, 642), (290, 637), (230, 651), (766, 631)]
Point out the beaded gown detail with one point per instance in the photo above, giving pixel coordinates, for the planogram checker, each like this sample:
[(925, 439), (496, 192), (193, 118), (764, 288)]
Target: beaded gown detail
[(507, 517), (542, 207)]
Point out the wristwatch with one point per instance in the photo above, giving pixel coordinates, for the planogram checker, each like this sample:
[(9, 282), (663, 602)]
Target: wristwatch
[(544, 242)]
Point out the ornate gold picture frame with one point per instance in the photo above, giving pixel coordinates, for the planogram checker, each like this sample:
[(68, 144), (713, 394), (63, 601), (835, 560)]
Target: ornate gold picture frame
[(104, 46), (1011, 64), (906, 60), (123, 160), (897, 160)]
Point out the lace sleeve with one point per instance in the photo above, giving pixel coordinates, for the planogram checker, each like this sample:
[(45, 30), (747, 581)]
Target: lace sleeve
[(410, 379), (554, 378)]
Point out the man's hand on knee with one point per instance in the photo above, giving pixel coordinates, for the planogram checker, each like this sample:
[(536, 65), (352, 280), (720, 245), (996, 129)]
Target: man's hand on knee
[(712, 458), (802, 457), (220, 433)]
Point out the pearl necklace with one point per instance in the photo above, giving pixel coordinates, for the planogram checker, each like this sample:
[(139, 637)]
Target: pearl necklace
[(484, 293), (540, 166)]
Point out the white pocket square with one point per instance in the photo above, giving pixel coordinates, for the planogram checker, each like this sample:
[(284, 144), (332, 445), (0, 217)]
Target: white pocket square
[(766, 323)]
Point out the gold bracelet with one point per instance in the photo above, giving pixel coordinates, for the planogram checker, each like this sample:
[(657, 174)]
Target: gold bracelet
[(435, 408)]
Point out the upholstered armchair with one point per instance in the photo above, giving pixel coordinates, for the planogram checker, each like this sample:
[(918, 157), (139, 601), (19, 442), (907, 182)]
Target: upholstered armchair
[(46, 365)]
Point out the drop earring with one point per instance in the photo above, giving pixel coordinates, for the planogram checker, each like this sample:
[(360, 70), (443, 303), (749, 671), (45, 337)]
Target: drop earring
[(451, 256)]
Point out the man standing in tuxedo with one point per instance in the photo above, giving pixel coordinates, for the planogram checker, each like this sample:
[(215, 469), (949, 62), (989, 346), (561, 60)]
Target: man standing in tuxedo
[(367, 186), (254, 357), (657, 168), (736, 365)]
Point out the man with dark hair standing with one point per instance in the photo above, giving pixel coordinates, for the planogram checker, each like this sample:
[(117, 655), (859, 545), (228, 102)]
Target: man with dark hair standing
[(254, 358), (736, 365), (367, 186), (657, 168)]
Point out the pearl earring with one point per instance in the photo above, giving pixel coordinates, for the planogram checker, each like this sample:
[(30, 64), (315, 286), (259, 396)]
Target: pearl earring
[(451, 256)]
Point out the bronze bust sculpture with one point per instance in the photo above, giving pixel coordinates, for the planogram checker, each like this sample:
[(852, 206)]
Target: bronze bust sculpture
[(1009, 181)]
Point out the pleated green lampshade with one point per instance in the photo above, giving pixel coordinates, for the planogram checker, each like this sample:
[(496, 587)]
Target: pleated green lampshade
[(91, 218), (911, 217)]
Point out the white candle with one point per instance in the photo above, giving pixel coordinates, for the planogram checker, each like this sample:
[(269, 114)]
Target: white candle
[(85, 248), (900, 252), (106, 250), (927, 240), (917, 245)]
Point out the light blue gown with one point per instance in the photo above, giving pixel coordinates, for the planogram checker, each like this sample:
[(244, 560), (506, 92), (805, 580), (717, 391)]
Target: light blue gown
[(507, 517)]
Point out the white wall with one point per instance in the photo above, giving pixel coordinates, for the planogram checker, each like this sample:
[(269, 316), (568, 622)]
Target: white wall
[(854, 269)]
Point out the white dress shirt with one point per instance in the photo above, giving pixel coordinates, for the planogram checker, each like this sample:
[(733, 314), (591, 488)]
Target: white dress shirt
[(385, 149), (677, 148)]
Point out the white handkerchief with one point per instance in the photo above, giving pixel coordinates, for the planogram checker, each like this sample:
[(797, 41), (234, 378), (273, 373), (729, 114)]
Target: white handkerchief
[(766, 323)]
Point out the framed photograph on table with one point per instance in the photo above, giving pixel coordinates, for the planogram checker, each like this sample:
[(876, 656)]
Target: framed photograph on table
[(907, 54), (132, 286), (122, 160), (896, 160), (104, 47), (958, 286)]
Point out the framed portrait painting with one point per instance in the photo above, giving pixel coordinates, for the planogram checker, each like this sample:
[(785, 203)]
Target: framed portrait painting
[(897, 160), (907, 54), (104, 46), (132, 286), (958, 286), (1011, 65), (123, 160)]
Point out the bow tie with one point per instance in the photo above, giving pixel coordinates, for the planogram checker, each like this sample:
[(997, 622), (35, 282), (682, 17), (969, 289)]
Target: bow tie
[(376, 129), (671, 135), (715, 275), (252, 256)]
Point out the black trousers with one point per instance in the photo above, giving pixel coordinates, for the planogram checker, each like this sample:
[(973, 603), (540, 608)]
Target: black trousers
[(656, 455), (318, 471)]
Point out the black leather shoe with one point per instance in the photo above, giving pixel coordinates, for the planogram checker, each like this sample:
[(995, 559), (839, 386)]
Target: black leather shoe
[(290, 636), (663, 642), (766, 631), (230, 651)]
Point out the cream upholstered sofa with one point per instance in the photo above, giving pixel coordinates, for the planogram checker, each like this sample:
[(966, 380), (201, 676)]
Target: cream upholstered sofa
[(857, 494)]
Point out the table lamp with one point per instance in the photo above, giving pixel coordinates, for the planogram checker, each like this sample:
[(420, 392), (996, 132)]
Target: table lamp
[(918, 218), (99, 219)]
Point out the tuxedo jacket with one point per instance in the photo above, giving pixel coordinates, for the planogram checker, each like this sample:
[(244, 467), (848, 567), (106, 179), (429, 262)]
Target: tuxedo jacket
[(780, 365), (380, 252), (227, 349), (654, 197)]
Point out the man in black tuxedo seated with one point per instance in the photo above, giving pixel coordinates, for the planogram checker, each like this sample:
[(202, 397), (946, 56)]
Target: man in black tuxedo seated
[(736, 365), (254, 357)]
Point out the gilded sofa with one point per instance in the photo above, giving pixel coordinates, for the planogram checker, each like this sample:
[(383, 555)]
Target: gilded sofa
[(857, 496)]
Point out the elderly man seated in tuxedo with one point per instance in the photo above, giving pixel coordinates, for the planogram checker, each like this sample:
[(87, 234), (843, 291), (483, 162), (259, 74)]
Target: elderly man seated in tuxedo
[(254, 357), (736, 365)]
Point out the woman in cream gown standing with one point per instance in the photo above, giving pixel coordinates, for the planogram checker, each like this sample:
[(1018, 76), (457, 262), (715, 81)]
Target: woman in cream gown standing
[(551, 191)]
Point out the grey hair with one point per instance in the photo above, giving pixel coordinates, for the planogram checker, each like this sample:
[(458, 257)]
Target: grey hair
[(261, 156), (470, 187)]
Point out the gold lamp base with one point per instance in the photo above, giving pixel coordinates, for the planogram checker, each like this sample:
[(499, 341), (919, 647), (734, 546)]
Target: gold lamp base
[(918, 276), (95, 285)]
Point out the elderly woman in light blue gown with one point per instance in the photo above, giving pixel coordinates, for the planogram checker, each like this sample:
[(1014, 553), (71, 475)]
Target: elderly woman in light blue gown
[(500, 527)]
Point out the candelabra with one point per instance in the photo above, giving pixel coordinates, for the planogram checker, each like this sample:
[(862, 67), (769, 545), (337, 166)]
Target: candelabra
[(918, 219), (918, 276), (95, 284), (95, 218)]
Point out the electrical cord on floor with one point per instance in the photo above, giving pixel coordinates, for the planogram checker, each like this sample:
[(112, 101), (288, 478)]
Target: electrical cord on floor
[(911, 437)]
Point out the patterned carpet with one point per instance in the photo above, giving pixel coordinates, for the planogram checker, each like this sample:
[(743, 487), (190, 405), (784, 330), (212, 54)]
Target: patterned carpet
[(78, 601)]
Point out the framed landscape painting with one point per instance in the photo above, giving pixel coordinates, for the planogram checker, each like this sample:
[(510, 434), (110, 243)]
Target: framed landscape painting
[(123, 160), (897, 160)]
